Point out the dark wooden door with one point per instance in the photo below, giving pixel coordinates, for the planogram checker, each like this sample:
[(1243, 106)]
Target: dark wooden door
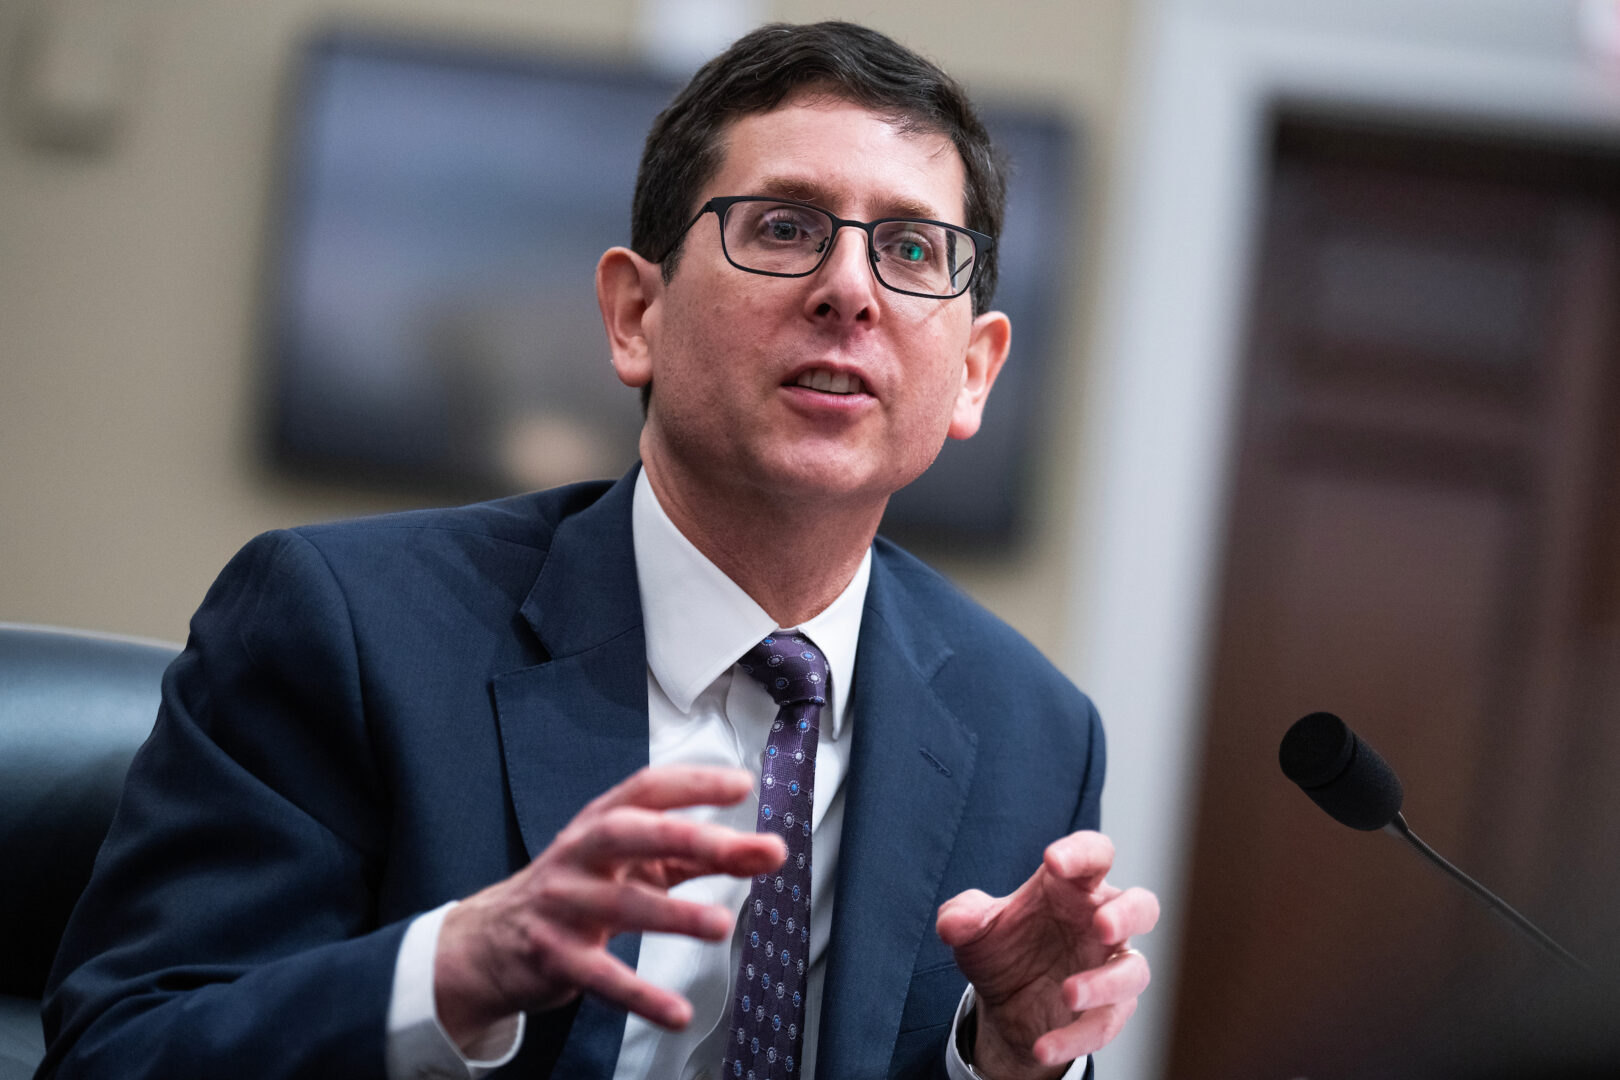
[(1424, 537)]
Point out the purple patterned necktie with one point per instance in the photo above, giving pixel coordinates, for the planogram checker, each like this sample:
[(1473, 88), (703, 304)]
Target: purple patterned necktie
[(767, 1015)]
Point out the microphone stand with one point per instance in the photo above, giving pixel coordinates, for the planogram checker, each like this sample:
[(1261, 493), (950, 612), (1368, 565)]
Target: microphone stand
[(1398, 827)]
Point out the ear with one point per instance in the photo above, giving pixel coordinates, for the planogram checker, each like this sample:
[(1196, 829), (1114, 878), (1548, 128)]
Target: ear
[(627, 288), (988, 342)]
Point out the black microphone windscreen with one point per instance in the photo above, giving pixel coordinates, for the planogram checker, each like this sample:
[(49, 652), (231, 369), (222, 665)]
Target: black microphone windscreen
[(1341, 774)]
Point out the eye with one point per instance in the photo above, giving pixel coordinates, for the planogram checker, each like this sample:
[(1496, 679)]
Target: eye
[(910, 246), (788, 225)]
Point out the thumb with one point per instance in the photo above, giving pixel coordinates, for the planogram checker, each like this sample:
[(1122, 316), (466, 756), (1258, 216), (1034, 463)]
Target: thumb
[(965, 917)]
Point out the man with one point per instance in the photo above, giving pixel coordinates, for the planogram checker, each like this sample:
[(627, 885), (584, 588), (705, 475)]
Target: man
[(375, 718)]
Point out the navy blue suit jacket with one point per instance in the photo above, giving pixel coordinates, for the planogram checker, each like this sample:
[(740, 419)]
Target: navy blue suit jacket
[(375, 717)]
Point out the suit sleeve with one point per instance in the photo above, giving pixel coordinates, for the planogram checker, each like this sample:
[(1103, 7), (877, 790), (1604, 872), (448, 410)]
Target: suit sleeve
[(1088, 811), (230, 925)]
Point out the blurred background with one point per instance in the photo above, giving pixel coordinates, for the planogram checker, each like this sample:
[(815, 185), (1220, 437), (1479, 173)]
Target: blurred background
[(1320, 410)]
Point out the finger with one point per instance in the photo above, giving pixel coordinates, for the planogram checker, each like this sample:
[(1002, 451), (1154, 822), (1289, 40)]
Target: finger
[(627, 833), (666, 787), (617, 906), (601, 973), (1124, 976), (1134, 911), (1082, 857), (668, 873), (1089, 1033), (965, 917)]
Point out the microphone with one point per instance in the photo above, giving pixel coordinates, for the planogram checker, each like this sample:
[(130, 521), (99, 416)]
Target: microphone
[(1341, 774), (1348, 779)]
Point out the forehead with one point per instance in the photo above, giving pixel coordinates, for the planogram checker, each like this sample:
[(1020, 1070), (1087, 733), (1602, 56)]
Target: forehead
[(835, 153)]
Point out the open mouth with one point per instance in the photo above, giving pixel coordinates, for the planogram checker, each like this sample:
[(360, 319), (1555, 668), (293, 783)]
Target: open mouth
[(831, 382)]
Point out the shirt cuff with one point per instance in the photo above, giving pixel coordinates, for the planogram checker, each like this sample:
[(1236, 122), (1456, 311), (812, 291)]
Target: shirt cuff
[(418, 1046), (958, 1069)]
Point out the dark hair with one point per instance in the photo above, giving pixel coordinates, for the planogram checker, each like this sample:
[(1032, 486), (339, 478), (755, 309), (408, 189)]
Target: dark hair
[(757, 73)]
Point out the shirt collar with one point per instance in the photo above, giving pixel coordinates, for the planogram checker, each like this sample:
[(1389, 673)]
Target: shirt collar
[(699, 622)]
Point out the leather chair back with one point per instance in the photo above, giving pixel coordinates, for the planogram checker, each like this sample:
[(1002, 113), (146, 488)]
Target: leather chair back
[(74, 707)]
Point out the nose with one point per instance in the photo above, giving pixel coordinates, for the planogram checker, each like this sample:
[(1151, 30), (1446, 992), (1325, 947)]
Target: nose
[(845, 286)]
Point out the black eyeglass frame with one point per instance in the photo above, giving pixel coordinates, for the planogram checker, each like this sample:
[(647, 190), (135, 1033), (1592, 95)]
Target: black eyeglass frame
[(720, 204)]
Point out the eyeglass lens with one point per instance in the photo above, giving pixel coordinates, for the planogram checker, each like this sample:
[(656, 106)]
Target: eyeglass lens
[(784, 238)]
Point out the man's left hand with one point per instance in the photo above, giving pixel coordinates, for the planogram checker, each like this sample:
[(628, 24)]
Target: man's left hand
[(1051, 964)]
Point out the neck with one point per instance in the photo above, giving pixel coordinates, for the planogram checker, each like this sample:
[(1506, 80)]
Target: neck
[(792, 561)]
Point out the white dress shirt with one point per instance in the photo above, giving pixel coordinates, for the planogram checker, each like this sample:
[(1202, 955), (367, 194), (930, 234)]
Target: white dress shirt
[(701, 710)]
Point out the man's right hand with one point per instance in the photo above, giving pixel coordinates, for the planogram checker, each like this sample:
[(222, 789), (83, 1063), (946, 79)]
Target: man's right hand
[(536, 940)]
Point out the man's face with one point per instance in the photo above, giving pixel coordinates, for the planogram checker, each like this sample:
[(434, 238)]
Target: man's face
[(826, 388)]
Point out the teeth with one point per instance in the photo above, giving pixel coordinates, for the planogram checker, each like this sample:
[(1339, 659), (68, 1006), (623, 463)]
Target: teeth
[(831, 382)]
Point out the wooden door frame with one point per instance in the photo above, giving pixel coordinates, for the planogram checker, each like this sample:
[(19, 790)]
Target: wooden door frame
[(1168, 347)]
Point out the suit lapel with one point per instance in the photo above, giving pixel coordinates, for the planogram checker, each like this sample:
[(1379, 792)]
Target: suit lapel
[(576, 724), (910, 771)]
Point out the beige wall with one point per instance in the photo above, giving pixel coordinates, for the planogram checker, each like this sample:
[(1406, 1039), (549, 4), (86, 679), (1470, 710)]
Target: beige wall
[(128, 284)]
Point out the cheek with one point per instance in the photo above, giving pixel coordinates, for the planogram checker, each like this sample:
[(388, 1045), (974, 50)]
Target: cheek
[(721, 331), (946, 370)]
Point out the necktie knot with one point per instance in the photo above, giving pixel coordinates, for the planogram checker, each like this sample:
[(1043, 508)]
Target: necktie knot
[(790, 667)]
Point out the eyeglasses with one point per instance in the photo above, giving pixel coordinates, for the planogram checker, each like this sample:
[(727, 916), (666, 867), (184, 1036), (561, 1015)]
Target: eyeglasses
[(783, 238)]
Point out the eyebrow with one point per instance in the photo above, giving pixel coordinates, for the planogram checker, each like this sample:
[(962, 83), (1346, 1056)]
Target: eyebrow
[(799, 190)]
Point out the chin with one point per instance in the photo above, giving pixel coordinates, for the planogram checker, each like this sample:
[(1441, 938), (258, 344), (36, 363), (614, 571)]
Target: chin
[(858, 484)]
